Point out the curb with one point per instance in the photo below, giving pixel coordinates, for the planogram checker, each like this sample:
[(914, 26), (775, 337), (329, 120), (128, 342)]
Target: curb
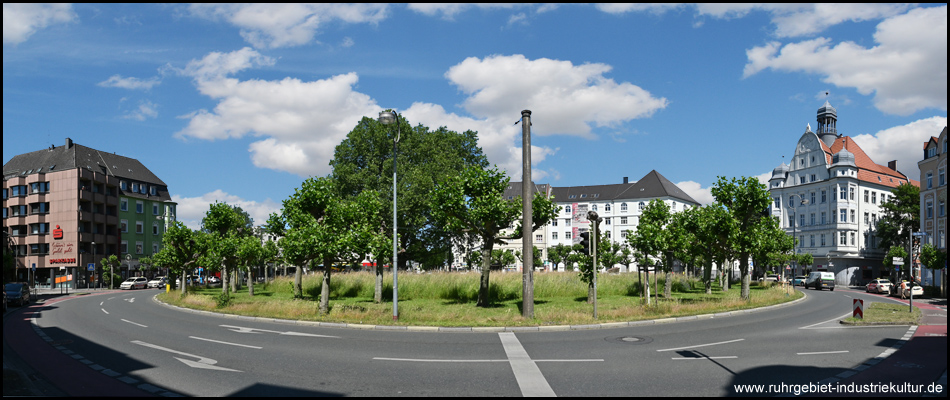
[(483, 329)]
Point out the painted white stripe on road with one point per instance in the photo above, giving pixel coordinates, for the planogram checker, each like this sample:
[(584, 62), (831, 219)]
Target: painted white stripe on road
[(134, 323), (437, 361), (702, 345), (104, 310), (228, 343), (527, 373), (823, 352), (703, 358)]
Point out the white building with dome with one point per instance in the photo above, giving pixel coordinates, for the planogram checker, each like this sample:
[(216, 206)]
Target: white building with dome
[(829, 198)]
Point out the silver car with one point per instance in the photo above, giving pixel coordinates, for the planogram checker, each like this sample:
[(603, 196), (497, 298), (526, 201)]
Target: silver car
[(137, 282)]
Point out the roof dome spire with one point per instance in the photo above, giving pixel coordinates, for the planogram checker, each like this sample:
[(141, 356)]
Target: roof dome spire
[(827, 124)]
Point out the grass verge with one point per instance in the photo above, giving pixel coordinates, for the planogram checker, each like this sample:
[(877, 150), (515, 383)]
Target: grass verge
[(448, 299), (886, 314)]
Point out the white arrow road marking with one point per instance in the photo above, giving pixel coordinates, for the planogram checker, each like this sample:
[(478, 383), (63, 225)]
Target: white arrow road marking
[(241, 329), (203, 362), (132, 300), (228, 343)]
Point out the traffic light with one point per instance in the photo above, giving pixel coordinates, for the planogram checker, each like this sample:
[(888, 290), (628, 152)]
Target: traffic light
[(585, 243)]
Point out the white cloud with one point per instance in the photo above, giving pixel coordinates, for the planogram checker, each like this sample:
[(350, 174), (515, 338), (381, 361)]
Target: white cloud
[(304, 121), (903, 143), (906, 71), (191, 210), (21, 20), (449, 10), (347, 42), (145, 110), (283, 25), (564, 98), (117, 81), (697, 192)]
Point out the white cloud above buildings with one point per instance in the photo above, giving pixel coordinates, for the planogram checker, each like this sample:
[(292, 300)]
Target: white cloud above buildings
[(191, 210), (302, 122), (904, 143), (906, 71), (22, 20)]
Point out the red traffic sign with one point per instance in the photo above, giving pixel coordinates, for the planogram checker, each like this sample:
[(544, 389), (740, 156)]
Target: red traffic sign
[(858, 306)]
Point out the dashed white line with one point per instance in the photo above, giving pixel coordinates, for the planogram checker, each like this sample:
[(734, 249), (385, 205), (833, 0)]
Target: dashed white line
[(823, 352), (703, 358), (133, 323), (104, 310)]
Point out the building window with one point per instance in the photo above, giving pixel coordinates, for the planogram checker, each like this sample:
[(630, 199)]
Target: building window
[(124, 247), (153, 190), (39, 208), (124, 185), (607, 208), (867, 218), (930, 180), (608, 234), (812, 197), (674, 206), (154, 209), (154, 228), (843, 238), (873, 197), (930, 209), (139, 247), (139, 227), (39, 187), (537, 238), (135, 187), (813, 178), (567, 222), (853, 220), (801, 220), (39, 229), (567, 209), (553, 235), (778, 203), (623, 234), (554, 222), (567, 235), (607, 221), (942, 176), (812, 218), (801, 179), (851, 193), (824, 196), (844, 215), (41, 248), (811, 240), (867, 196), (642, 205), (124, 226), (623, 220), (822, 240), (853, 235), (124, 204), (139, 207), (154, 248), (941, 208)]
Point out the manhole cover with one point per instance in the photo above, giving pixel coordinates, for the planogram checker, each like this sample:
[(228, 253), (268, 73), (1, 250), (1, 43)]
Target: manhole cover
[(630, 339)]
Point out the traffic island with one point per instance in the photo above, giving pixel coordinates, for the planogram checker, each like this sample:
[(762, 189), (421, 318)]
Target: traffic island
[(886, 314)]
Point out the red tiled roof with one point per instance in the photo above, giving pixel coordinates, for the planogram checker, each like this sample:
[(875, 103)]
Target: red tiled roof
[(868, 170)]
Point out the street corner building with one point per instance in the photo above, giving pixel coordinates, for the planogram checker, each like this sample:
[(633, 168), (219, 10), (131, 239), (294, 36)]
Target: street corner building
[(65, 208), (829, 198), (933, 201)]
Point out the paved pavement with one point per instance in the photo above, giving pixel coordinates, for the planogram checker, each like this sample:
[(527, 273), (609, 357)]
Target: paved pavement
[(913, 362)]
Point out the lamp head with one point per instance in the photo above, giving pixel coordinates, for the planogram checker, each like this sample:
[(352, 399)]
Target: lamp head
[(387, 117)]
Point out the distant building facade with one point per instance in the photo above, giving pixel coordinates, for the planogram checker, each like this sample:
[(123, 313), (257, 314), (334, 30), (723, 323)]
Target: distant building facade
[(618, 205), (933, 198), (70, 206), (829, 198)]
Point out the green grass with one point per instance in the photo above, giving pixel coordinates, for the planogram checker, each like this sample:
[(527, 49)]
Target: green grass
[(448, 299), (887, 314)]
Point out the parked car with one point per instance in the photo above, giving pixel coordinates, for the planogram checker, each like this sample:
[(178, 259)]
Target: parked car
[(799, 280), (18, 293), (157, 282), (879, 286), (770, 278), (136, 282), (820, 280), (214, 280), (904, 290)]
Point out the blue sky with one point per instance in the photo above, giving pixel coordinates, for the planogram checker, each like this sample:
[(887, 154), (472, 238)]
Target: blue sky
[(240, 103)]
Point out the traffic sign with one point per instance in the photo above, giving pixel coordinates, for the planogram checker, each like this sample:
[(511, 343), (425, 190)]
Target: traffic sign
[(898, 261), (858, 306), (91, 267)]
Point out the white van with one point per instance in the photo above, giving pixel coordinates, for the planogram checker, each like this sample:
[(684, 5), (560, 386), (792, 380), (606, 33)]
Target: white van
[(819, 280)]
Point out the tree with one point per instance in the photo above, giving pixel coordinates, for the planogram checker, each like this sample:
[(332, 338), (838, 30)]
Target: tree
[(892, 252), (109, 264), (933, 258), (323, 226), (901, 217), (471, 201), (363, 161), (651, 239), (228, 225), (180, 252), (558, 254), (744, 198)]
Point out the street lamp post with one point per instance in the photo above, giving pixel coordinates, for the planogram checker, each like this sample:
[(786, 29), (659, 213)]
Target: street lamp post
[(387, 118), (96, 264)]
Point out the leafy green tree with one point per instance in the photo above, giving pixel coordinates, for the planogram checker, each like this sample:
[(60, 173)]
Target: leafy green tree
[(651, 239), (558, 254), (323, 226), (888, 263), (180, 252), (109, 265), (363, 161), (471, 201), (776, 248), (933, 258), (228, 225), (505, 258), (744, 198), (901, 217)]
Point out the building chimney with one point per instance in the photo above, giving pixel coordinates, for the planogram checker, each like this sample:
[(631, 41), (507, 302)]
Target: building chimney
[(69, 143), (625, 180), (892, 165)]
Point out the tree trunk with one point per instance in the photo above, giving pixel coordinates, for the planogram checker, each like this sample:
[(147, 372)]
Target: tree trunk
[(325, 289), (668, 285), (378, 295), (298, 281), (483, 295), (250, 281), (224, 279), (707, 276), (746, 278), (646, 273)]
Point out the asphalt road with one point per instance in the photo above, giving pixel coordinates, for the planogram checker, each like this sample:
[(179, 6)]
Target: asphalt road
[(111, 343)]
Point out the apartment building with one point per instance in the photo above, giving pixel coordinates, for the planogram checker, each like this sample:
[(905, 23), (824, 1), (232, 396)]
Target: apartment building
[(933, 198), (67, 207)]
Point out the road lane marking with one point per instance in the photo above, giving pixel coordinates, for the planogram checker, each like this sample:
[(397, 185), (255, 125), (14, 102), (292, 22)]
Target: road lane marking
[(435, 360), (241, 329), (702, 345), (823, 352), (104, 310), (703, 358), (228, 343), (134, 323), (203, 362), (527, 373)]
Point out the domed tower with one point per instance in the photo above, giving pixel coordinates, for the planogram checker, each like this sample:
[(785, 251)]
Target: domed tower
[(827, 124)]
